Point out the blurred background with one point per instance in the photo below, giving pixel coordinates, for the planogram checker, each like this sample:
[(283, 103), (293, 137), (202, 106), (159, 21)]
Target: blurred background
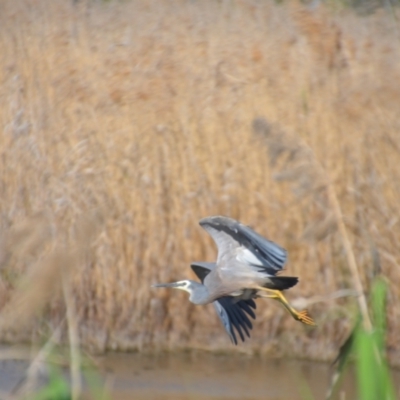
[(125, 122)]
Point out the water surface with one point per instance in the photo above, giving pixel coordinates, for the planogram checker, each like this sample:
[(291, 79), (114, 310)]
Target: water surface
[(201, 376)]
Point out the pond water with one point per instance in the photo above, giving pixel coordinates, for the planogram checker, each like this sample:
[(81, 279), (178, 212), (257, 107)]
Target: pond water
[(200, 376)]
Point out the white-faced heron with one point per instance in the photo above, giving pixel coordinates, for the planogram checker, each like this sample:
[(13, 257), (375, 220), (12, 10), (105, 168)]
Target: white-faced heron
[(246, 268)]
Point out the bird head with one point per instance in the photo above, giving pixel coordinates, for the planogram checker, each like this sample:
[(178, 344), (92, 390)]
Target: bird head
[(198, 293)]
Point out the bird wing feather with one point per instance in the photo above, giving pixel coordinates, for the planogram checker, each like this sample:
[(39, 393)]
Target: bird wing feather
[(238, 242), (232, 313)]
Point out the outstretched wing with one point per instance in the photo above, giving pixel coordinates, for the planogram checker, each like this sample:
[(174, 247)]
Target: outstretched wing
[(238, 242), (232, 313), (235, 315)]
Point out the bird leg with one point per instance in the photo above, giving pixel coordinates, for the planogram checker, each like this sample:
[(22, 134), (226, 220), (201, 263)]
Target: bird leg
[(301, 316)]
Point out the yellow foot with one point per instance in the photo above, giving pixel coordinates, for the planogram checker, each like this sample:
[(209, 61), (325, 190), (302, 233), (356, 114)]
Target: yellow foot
[(277, 295), (304, 317)]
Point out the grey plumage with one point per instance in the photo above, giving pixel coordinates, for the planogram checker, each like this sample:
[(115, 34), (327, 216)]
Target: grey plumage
[(245, 259), (233, 313), (234, 239)]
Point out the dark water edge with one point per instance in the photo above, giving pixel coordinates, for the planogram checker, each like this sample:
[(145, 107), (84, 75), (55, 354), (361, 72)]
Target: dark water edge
[(202, 375)]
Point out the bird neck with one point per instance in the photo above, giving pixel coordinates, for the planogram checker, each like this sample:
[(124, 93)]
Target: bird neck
[(199, 294)]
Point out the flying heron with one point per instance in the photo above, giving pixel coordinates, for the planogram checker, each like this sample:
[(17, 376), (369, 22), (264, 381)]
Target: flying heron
[(246, 269)]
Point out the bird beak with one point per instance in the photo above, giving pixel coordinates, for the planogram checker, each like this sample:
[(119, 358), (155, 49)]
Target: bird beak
[(171, 285)]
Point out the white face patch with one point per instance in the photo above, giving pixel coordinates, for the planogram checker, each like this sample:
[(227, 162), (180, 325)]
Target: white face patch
[(183, 285)]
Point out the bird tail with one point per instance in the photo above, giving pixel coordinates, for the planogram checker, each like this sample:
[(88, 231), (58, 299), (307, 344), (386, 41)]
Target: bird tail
[(282, 282)]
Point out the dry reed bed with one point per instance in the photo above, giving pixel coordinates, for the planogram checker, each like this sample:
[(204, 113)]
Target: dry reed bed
[(142, 113)]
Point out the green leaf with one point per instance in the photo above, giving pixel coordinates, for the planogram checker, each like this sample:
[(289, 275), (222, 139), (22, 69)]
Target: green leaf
[(367, 378), (378, 300), (342, 359), (373, 374)]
